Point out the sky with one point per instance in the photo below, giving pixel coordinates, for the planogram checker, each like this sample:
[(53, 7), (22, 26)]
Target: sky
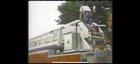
[(42, 16)]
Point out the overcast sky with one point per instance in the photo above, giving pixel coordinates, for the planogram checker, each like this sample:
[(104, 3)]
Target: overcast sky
[(42, 16)]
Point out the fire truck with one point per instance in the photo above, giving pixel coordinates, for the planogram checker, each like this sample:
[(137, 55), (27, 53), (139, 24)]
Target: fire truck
[(72, 42)]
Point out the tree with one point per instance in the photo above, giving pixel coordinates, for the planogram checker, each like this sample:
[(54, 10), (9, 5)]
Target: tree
[(70, 10), (101, 11)]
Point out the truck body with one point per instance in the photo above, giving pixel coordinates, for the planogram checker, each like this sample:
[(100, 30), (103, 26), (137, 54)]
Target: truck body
[(73, 42)]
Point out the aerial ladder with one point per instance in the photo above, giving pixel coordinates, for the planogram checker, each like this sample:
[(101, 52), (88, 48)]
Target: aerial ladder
[(74, 38)]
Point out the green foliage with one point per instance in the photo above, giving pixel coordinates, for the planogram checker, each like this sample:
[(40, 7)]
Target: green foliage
[(70, 10)]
